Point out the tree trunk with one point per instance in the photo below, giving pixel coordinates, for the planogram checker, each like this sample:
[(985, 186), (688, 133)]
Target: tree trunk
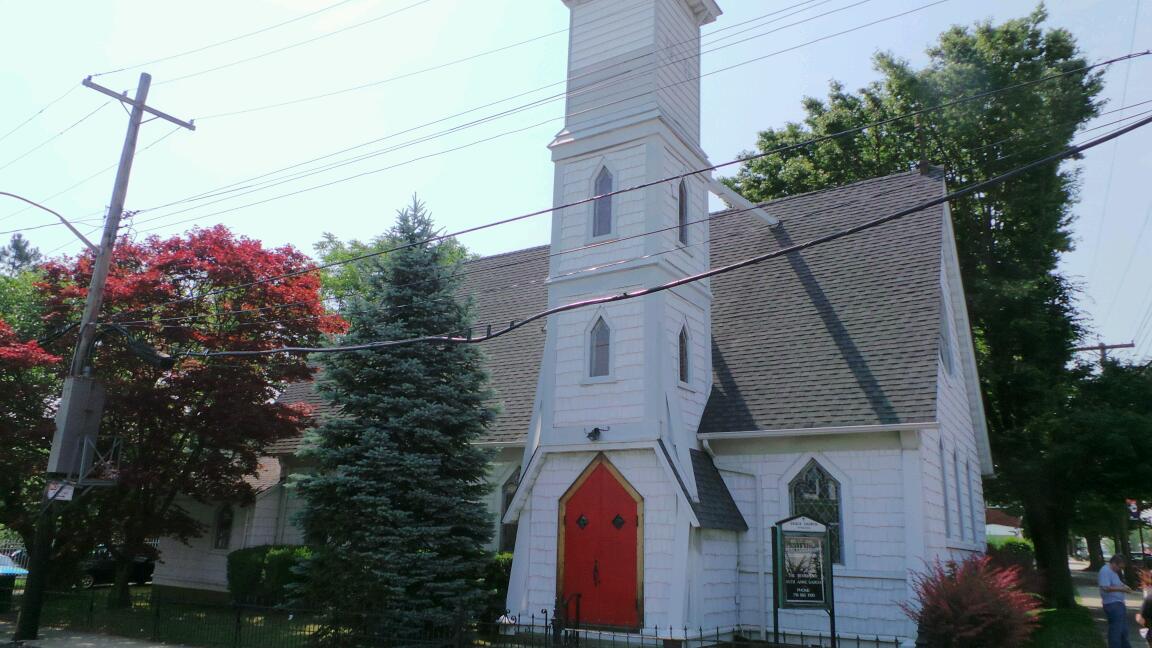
[(1049, 529), (28, 623), (1124, 548), (121, 596), (1095, 553)]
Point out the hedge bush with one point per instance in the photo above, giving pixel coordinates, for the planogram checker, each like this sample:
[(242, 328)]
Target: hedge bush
[(1021, 555), (972, 604), (262, 575)]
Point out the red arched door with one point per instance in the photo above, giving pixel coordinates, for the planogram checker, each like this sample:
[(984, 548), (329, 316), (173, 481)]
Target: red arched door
[(601, 540)]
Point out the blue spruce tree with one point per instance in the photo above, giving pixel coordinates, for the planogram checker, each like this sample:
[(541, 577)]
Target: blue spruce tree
[(395, 509)]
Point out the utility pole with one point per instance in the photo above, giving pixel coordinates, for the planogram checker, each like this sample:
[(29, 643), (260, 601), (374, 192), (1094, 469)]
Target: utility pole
[(1103, 349), (82, 401)]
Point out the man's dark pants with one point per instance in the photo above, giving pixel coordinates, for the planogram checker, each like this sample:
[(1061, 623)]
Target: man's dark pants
[(1117, 625)]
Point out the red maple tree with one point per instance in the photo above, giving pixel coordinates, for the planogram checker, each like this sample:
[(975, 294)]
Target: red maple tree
[(26, 393), (198, 429)]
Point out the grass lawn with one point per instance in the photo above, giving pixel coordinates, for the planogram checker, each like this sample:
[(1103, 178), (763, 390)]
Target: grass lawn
[(194, 625), (1073, 628)]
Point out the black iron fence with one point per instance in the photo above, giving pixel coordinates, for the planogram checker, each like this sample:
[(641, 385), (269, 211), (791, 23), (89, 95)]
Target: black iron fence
[(253, 626)]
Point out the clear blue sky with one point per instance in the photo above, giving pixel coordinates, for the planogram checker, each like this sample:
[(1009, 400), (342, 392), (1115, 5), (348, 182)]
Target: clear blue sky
[(47, 48)]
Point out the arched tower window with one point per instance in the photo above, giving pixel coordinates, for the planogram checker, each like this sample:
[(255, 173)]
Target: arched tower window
[(602, 208), (682, 214), (222, 537), (816, 494), (685, 368), (599, 344)]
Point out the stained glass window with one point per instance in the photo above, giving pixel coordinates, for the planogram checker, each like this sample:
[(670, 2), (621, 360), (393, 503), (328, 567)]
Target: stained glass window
[(602, 208), (816, 494)]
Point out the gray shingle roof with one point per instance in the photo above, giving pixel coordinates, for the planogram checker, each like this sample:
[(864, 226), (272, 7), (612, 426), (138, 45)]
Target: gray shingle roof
[(716, 508), (842, 334)]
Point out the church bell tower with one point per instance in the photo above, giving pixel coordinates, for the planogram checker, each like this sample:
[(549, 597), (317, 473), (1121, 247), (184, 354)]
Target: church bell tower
[(607, 494)]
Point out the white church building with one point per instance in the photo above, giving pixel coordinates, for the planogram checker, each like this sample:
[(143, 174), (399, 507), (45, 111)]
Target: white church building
[(645, 448)]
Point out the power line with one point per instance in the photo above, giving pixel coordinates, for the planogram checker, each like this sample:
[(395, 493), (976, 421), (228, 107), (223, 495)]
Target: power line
[(236, 188), (820, 240), (37, 113), (373, 84), (711, 217), (503, 134), (50, 139), (460, 275), (644, 185), (452, 149), (1112, 163), (472, 57), (1128, 265), (296, 44), (79, 183), (223, 42)]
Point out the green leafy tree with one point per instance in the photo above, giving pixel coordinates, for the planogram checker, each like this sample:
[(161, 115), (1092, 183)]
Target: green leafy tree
[(395, 513), (18, 255), (340, 281), (1010, 237)]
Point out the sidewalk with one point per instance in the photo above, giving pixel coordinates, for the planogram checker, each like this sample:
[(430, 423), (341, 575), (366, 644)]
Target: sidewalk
[(59, 638), (1089, 595)]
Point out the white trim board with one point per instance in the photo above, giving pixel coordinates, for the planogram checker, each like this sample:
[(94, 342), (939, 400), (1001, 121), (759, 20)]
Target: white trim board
[(820, 431)]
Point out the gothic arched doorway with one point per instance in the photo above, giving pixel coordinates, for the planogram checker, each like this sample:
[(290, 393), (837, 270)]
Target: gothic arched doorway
[(600, 548)]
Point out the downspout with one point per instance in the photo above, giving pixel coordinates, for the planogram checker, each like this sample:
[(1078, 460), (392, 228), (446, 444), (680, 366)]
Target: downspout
[(762, 533)]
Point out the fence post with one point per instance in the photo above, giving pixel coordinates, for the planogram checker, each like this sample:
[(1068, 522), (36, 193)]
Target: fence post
[(155, 619), (239, 622), (90, 618)]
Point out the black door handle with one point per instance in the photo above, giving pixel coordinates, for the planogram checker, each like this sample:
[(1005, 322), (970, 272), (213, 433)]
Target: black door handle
[(596, 573)]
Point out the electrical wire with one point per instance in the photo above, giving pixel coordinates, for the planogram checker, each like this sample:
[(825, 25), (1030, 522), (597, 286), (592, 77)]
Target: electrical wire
[(713, 272), (1128, 265), (774, 203), (223, 42), (94, 176), (50, 139), (374, 84), (242, 187), (459, 275), (1115, 147), (707, 169), (472, 57), (294, 45), (36, 114)]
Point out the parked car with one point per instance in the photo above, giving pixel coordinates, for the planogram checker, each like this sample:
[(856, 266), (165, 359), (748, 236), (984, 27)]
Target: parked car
[(100, 567), (1140, 559), (8, 567)]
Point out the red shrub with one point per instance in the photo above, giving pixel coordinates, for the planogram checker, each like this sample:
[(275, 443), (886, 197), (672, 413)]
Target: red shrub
[(972, 604)]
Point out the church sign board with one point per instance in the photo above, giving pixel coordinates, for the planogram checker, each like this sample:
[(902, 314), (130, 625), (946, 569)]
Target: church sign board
[(802, 567)]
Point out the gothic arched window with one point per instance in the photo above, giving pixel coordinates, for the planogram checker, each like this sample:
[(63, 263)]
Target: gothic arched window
[(816, 494), (685, 369), (682, 215), (599, 344), (222, 537), (602, 207)]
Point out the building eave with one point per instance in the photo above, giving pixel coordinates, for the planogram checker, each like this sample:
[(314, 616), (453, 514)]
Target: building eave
[(819, 431)]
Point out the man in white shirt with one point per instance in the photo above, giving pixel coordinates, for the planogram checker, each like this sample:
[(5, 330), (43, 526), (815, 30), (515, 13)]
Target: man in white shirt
[(1112, 591)]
